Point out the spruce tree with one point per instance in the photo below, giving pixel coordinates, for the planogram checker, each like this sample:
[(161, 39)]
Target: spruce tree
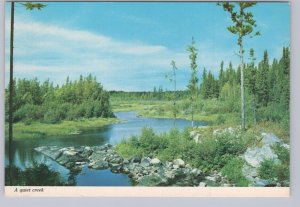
[(262, 81), (221, 76), (251, 83)]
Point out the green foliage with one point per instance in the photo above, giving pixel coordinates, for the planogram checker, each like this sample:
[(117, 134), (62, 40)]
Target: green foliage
[(33, 129), (220, 119), (192, 86), (193, 82), (172, 78), (32, 6), (28, 113), (150, 142), (35, 101), (243, 22), (268, 169), (267, 92), (213, 152), (210, 85), (233, 171), (276, 171), (282, 153), (38, 175)]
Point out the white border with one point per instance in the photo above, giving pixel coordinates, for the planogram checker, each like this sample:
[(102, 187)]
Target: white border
[(39, 191), (293, 200)]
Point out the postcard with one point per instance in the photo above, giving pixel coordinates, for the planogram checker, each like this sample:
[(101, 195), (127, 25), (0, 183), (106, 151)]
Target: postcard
[(151, 99)]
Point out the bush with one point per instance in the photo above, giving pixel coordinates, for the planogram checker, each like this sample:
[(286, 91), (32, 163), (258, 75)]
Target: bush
[(127, 150), (52, 116), (29, 112), (268, 169), (38, 175), (233, 171), (212, 153), (220, 119), (233, 143), (278, 171)]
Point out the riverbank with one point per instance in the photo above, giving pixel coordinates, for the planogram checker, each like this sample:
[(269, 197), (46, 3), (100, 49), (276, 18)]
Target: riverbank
[(246, 158), (34, 130), (160, 109), (143, 171), (245, 169), (212, 112)]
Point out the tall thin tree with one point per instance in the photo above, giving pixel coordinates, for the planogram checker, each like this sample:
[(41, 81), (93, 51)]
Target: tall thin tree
[(29, 6), (172, 78), (11, 89), (243, 25), (193, 83)]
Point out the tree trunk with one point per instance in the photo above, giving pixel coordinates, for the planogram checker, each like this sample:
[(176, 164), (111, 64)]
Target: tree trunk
[(254, 112), (174, 104), (242, 87), (11, 90), (192, 114)]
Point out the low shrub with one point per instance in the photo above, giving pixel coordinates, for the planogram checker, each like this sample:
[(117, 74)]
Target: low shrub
[(38, 175), (268, 169), (212, 153), (275, 170), (233, 171)]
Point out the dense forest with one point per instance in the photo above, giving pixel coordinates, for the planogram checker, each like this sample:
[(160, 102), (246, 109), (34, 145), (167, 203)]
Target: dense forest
[(35, 101), (267, 87)]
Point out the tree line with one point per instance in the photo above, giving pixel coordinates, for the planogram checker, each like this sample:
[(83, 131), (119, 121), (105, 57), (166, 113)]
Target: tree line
[(267, 85), (36, 101)]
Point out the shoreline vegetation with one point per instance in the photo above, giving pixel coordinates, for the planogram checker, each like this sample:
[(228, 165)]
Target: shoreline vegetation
[(221, 147), (163, 109), (145, 108), (44, 130)]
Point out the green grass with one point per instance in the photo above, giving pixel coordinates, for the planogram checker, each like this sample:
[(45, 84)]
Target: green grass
[(275, 128), (210, 119), (134, 105), (42, 130), (158, 109), (213, 112)]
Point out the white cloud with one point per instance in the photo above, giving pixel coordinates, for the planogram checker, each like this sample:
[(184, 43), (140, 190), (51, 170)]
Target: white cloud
[(49, 51), (50, 37)]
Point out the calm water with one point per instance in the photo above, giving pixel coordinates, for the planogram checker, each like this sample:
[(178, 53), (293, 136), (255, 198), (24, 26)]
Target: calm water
[(24, 155)]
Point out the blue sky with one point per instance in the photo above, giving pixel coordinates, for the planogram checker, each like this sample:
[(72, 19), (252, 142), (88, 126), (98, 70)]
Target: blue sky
[(129, 46)]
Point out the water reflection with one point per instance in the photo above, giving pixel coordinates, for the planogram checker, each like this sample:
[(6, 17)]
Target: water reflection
[(23, 155)]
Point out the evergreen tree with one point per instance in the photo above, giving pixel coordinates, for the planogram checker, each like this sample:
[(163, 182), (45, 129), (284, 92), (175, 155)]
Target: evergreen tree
[(221, 76), (262, 81), (251, 82), (203, 88)]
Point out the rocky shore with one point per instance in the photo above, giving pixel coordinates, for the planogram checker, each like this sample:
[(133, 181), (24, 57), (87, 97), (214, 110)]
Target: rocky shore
[(144, 171), (253, 156), (256, 155)]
